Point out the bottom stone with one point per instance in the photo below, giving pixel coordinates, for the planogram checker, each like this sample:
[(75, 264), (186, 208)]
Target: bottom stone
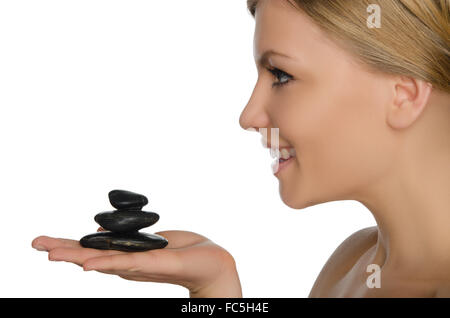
[(127, 242)]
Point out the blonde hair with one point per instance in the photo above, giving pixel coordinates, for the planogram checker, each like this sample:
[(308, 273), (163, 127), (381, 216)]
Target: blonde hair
[(413, 40)]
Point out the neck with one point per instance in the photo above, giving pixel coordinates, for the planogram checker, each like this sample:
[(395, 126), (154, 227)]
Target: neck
[(411, 201)]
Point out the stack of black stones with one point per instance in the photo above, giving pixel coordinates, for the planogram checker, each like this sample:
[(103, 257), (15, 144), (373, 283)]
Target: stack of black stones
[(122, 225)]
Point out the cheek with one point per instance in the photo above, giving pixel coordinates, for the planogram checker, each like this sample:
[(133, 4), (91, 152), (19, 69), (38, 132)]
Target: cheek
[(348, 141), (341, 139)]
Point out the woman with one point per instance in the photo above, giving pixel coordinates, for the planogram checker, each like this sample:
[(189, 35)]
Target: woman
[(366, 110)]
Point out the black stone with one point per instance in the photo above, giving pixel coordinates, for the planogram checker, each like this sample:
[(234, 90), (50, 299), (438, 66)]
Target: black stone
[(126, 220), (126, 242), (123, 224), (122, 199)]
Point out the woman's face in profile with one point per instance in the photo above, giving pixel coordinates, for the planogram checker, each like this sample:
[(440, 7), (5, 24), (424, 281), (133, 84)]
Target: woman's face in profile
[(326, 106)]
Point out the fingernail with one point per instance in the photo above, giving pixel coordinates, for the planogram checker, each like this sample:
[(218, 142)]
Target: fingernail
[(40, 248)]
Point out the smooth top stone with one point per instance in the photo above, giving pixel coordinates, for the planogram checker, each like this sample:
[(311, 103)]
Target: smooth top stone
[(126, 220), (122, 199)]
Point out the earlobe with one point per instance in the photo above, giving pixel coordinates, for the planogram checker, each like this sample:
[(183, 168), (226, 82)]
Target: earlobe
[(410, 97)]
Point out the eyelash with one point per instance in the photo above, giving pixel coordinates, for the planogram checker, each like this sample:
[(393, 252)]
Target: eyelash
[(279, 73)]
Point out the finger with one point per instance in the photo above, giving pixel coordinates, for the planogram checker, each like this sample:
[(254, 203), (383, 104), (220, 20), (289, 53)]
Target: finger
[(135, 278), (100, 229), (78, 255), (140, 277), (46, 243), (178, 239), (154, 262), (144, 277), (127, 275)]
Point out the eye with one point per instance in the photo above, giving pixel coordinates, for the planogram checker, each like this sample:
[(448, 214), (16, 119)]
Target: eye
[(282, 77)]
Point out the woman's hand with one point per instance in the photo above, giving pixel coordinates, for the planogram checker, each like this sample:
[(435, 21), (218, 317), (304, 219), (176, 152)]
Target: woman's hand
[(189, 260)]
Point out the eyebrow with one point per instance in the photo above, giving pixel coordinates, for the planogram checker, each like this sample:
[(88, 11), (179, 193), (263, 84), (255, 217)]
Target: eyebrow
[(265, 56)]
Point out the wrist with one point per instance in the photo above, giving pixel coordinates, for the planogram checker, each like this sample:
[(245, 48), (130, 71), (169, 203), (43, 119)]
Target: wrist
[(226, 285)]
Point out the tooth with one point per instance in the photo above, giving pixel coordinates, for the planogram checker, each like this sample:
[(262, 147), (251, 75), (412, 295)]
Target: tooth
[(274, 153), (292, 152), (285, 153)]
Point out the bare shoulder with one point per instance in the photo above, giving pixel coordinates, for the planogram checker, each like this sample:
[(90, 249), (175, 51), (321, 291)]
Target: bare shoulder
[(343, 258)]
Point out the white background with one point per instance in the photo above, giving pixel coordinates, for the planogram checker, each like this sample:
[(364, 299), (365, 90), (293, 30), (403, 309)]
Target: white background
[(144, 96)]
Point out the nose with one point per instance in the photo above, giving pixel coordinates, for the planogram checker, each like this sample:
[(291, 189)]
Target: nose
[(254, 115)]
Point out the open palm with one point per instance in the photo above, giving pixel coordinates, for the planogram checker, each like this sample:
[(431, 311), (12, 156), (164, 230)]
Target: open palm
[(190, 260)]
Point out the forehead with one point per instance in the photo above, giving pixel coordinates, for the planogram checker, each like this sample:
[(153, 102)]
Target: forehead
[(281, 27)]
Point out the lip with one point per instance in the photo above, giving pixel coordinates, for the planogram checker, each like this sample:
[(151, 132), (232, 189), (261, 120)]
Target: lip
[(283, 165)]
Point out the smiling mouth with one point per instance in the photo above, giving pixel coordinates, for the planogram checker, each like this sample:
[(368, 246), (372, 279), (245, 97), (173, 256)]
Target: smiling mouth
[(281, 157), (283, 154)]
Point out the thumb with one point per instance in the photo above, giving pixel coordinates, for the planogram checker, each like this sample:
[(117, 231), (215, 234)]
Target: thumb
[(100, 229)]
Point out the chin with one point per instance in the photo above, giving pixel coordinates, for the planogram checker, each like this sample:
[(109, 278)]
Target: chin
[(294, 197), (299, 203)]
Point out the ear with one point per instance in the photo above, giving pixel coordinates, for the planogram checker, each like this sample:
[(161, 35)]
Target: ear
[(410, 98)]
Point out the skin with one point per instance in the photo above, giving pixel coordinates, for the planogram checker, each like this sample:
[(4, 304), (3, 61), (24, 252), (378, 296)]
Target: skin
[(379, 139), (189, 260)]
